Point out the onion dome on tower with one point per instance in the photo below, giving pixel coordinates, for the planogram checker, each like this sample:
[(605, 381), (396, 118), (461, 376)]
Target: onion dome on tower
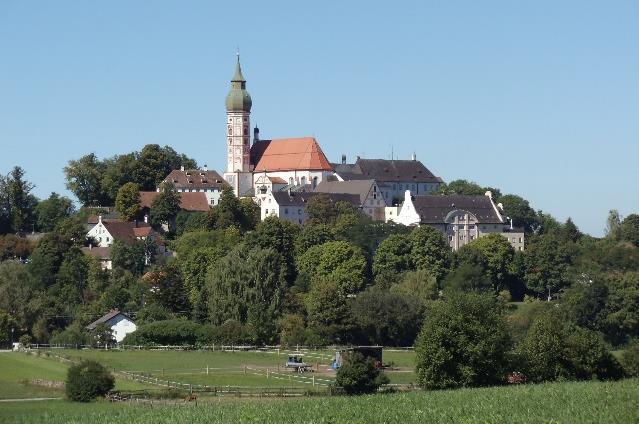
[(238, 99)]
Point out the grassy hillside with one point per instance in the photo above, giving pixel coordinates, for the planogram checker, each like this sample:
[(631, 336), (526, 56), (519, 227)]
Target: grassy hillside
[(586, 402)]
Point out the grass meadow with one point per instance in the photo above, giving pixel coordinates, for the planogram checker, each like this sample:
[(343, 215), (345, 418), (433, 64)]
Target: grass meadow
[(567, 402)]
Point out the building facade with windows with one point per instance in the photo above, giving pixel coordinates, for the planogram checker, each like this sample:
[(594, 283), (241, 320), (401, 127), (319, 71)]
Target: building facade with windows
[(203, 180), (461, 218), (291, 206)]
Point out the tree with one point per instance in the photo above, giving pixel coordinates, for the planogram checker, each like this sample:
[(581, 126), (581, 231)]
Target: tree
[(464, 342), (359, 375), (498, 254), (127, 201), (387, 318), (518, 209), (630, 359), (321, 210), (429, 250), (468, 277), (129, 257), (420, 284), (165, 206), (338, 261), (292, 330), (167, 289), (277, 234), (543, 350), (629, 229), (462, 187), (19, 203), (312, 235), (154, 163), (83, 178), (88, 380), (613, 222), (590, 357), (570, 231), (546, 264), (7, 328), (329, 317), (73, 273), (50, 212), (622, 307), (18, 295), (228, 212), (392, 258)]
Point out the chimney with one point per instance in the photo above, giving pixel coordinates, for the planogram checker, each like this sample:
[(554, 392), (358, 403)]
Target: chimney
[(413, 156), (146, 219), (99, 219), (206, 168), (136, 223), (358, 157), (343, 159), (256, 134), (182, 168)]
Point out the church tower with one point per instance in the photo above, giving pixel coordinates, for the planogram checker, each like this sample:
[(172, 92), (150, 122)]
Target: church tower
[(238, 110)]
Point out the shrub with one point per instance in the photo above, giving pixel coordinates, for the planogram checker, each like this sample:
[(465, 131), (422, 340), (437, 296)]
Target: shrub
[(359, 375), (167, 332), (590, 356), (88, 380), (630, 359), (463, 343), (25, 340)]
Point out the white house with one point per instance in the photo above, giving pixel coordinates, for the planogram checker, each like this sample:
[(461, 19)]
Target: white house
[(119, 323), (371, 199), (291, 206), (461, 218)]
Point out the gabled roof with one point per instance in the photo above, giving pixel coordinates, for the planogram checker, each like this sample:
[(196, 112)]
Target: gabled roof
[(126, 231), (359, 187), (289, 154), (195, 178), (192, 202), (108, 316), (283, 198), (432, 209), (386, 170)]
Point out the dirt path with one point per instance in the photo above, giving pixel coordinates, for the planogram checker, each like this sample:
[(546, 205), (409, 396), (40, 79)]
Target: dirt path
[(29, 399)]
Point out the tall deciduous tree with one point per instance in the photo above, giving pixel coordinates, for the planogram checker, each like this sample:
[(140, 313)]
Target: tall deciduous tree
[(429, 250), (499, 256), (50, 212), (519, 210), (165, 206), (127, 201), (392, 258), (546, 264), (629, 229), (83, 178), (464, 342)]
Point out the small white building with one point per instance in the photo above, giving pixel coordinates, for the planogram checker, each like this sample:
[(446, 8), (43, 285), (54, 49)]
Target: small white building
[(291, 206), (119, 323)]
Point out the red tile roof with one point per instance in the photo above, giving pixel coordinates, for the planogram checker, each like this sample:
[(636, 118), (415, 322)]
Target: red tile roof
[(289, 154), (189, 201), (126, 231)]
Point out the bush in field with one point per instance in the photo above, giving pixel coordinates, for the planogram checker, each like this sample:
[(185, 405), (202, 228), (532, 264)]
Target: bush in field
[(359, 375), (630, 359), (88, 380), (553, 350), (463, 343)]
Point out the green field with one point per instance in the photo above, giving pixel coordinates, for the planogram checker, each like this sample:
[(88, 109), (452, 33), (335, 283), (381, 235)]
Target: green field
[(18, 369), (227, 368), (586, 402)]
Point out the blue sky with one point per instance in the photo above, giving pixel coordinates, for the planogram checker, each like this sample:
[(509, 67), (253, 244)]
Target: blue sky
[(539, 99)]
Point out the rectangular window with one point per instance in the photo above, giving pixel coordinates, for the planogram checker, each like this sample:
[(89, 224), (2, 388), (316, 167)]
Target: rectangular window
[(286, 211)]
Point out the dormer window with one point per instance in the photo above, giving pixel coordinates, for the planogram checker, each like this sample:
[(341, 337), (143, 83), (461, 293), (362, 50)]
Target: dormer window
[(190, 181)]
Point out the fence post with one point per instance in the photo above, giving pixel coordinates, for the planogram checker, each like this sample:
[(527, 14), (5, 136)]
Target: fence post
[(244, 369), (313, 381), (207, 370), (267, 373)]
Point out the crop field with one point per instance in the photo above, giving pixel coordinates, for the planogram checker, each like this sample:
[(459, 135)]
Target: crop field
[(584, 402)]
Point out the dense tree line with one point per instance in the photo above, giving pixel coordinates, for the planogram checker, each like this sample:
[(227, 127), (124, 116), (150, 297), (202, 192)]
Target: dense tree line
[(339, 278)]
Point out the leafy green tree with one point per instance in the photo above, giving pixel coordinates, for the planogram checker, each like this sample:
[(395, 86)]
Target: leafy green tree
[(499, 256), (630, 359), (154, 163), (546, 264), (74, 273), (359, 375), (570, 231), (250, 213), (50, 212), (467, 278), (386, 318), (629, 229), (248, 286), (420, 284), (613, 222), (127, 201), (585, 303), (590, 357), (129, 257), (14, 247), (462, 187), (321, 210), (429, 250), (392, 258), (83, 178), (312, 235), (622, 307), (292, 330), (18, 295), (87, 381), (47, 257), (118, 171), (464, 342), (339, 261), (543, 350), (228, 212), (8, 326), (277, 234), (167, 289), (165, 206), (74, 334), (519, 210), (329, 316), (20, 204)]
